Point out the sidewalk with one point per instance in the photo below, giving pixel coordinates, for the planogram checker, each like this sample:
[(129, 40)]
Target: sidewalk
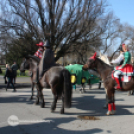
[(20, 82)]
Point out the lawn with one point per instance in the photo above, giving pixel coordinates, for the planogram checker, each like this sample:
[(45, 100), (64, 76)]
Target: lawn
[(18, 73)]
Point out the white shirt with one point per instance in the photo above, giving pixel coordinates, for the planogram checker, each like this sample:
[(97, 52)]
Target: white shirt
[(119, 59)]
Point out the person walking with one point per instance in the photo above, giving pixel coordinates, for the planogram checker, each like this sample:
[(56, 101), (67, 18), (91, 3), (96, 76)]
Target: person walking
[(9, 75), (14, 68)]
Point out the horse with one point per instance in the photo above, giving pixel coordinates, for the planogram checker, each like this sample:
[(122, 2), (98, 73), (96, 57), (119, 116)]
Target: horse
[(106, 60), (28, 65), (105, 72), (57, 78)]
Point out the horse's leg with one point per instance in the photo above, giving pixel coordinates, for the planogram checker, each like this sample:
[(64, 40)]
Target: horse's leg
[(132, 92), (32, 91), (62, 109), (99, 85), (129, 93), (111, 103), (83, 88), (42, 98), (37, 98), (106, 104), (53, 106)]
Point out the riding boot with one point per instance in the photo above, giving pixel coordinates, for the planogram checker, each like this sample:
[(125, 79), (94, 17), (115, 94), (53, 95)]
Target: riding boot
[(117, 83)]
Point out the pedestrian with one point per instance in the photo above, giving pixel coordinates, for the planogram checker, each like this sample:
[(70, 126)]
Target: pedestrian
[(14, 69), (9, 75), (0, 71)]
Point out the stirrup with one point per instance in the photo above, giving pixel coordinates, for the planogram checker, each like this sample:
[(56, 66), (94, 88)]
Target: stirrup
[(117, 87)]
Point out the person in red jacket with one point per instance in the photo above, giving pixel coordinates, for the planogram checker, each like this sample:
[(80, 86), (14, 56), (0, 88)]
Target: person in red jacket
[(40, 50)]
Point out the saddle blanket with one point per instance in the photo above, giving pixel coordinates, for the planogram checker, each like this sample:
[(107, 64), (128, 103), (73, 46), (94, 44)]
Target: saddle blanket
[(126, 70)]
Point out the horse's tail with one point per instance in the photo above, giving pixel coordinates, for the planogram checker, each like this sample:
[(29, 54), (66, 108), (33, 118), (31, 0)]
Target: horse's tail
[(67, 88)]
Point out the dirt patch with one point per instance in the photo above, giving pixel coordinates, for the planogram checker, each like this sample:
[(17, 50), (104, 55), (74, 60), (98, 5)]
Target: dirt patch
[(86, 117)]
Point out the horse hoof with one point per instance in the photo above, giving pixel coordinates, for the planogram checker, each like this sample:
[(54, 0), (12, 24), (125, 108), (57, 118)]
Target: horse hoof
[(109, 113), (52, 111), (42, 105), (36, 103), (129, 94), (31, 98), (62, 111)]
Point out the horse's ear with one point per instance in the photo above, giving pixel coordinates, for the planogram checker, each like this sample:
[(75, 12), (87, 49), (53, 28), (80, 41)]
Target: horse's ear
[(95, 55)]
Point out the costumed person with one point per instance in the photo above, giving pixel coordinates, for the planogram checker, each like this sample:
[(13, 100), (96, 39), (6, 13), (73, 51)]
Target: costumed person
[(47, 61), (38, 54), (124, 56), (40, 50), (9, 74)]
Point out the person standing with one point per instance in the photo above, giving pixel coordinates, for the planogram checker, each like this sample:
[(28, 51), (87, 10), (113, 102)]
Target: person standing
[(14, 68), (9, 75)]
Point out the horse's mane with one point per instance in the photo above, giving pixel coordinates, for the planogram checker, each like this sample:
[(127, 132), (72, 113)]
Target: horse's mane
[(102, 62), (34, 58)]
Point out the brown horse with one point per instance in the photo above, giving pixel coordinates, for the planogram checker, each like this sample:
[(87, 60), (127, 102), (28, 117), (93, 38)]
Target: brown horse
[(30, 64), (105, 72), (57, 78)]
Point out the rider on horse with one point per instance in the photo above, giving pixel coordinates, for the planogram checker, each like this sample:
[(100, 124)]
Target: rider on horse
[(47, 60), (40, 50), (125, 67)]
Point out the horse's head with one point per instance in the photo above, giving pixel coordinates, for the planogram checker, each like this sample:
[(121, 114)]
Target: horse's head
[(90, 63), (30, 62), (25, 65)]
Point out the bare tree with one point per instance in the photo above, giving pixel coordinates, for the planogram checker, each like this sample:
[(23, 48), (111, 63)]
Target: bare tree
[(69, 25)]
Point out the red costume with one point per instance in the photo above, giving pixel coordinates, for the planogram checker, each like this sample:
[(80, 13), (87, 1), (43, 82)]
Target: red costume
[(39, 52)]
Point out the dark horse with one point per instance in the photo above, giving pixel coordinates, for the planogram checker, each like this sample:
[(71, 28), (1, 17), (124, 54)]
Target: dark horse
[(105, 72), (57, 78), (25, 65)]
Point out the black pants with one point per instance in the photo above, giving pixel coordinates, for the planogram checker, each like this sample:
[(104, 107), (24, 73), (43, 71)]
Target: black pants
[(10, 81)]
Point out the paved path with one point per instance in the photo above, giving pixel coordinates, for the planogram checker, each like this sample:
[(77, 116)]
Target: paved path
[(35, 120), (21, 82)]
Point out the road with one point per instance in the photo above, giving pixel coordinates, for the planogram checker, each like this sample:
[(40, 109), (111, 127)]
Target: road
[(32, 119)]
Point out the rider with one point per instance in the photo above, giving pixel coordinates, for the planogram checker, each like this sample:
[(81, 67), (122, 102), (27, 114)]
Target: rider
[(47, 60), (125, 56), (40, 50)]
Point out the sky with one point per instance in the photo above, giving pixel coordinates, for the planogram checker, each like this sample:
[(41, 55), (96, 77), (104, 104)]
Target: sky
[(123, 9)]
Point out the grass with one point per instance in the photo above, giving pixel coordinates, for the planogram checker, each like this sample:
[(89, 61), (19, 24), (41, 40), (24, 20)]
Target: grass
[(18, 73)]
